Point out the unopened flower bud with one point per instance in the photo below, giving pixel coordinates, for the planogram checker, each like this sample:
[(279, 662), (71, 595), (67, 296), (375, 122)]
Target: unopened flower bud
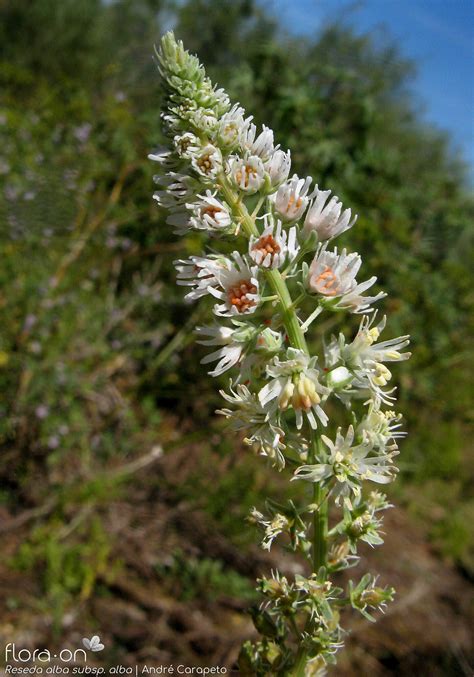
[(255, 516), (373, 335), (338, 553), (382, 374), (269, 340), (278, 168), (305, 395), (339, 378), (286, 395), (376, 596)]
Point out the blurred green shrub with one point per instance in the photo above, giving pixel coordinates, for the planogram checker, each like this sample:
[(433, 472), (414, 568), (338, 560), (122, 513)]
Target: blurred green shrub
[(67, 570), (206, 579)]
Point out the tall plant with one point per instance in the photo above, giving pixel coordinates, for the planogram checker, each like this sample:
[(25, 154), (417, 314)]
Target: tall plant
[(222, 176)]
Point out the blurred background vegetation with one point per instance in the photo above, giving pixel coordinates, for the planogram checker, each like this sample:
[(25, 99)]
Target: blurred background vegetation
[(113, 468)]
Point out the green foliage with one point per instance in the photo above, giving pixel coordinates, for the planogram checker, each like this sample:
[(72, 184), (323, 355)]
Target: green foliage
[(88, 304), (449, 518), (69, 570), (205, 579)]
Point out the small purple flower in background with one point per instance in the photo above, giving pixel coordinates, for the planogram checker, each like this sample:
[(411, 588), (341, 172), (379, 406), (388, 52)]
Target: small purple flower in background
[(70, 179), (35, 347), (30, 321), (111, 242), (42, 411), (11, 192), (53, 442), (82, 132)]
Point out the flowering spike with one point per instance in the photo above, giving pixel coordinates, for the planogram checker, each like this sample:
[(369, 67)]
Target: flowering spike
[(224, 176)]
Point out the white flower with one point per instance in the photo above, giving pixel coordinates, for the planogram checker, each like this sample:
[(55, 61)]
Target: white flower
[(187, 145), (209, 214), (230, 127), (332, 275), (262, 145), (237, 287), (246, 344), (278, 167), (163, 156), (186, 109), (248, 410), (364, 357), (381, 428), (233, 342), (206, 213), (264, 433), (208, 161), (326, 219), (272, 528), (220, 99), (204, 119), (248, 174), (292, 198), (268, 441), (349, 465), (178, 189), (266, 344), (199, 272), (364, 352), (295, 383), (273, 246)]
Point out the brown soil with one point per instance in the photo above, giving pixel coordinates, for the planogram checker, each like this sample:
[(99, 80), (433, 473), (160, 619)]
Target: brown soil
[(426, 631)]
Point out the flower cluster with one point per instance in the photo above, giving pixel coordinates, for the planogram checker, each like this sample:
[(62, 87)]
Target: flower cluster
[(223, 176)]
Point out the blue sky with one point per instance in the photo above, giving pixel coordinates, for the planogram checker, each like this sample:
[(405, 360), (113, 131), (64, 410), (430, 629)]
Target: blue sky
[(437, 34)]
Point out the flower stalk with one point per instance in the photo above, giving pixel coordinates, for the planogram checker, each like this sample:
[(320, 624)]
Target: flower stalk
[(320, 516), (274, 277), (217, 175)]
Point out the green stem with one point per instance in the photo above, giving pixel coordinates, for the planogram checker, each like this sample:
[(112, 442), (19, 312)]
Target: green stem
[(274, 277), (301, 254), (320, 516), (297, 339), (320, 529), (290, 319), (317, 311), (300, 664), (295, 627)]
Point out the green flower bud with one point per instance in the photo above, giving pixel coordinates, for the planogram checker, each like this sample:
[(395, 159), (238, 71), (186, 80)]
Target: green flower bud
[(339, 378)]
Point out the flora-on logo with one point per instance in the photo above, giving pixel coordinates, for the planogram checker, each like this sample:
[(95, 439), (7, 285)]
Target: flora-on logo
[(93, 644), (12, 654)]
